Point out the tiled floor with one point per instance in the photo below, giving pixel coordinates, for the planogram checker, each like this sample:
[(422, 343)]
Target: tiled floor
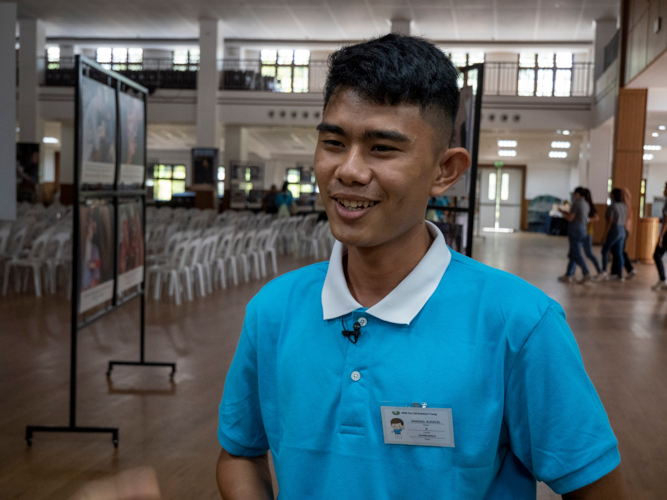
[(621, 330)]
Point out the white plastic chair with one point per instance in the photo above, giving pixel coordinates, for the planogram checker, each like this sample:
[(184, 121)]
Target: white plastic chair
[(225, 260), (34, 262)]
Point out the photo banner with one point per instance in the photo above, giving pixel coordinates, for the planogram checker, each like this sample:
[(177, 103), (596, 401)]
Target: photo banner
[(462, 137), (130, 246), (97, 254), (132, 140), (98, 135)]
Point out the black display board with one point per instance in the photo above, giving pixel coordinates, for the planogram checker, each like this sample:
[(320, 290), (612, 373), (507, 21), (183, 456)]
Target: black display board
[(108, 251), (205, 165), (466, 135)]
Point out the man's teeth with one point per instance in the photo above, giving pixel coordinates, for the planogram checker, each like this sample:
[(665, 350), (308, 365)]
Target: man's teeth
[(356, 205)]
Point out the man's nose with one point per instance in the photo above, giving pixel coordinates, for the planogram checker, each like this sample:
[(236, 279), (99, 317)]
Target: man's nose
[(354, 168)]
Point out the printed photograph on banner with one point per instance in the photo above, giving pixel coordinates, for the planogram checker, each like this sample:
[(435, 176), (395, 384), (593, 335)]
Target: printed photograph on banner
[(97, 254), (130, 248), (132, 140), (98, 134)]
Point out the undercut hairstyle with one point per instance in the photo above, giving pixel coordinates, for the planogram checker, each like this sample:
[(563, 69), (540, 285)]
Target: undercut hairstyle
[(397, 69)]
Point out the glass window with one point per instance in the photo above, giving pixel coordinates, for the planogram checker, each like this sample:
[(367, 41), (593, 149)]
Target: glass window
[(527, 60), (294, 189), (545, 82), (285, 78), (545, 60), (492, 186), (505, 187), (103, 55), (268, 71), (301, 57), (163, 191), (458, 59), (460, 80), (221, 181), (526, 85), (119, 55), (179, 172), (135, 55), (168, 180), (180, 56), (563, 82), (293, 176), (285, 56), (472, 80), (268, 56), (53, 57), (300, 83), (193, 55), (563, 59), (475, 58)]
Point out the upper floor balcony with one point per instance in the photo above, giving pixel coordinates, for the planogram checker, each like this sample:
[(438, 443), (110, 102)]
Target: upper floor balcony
[(501, 78)]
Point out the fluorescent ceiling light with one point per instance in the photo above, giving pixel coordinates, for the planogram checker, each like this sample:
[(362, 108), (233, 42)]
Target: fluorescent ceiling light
[(504, 143), (655, 134), (648, 156), (506, 152), (662, 127), (566, 132), (50, 140), (560, 144), (557, 154), (652, 147)]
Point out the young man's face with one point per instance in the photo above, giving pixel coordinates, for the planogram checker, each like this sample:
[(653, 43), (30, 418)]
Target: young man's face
[(376, 167)]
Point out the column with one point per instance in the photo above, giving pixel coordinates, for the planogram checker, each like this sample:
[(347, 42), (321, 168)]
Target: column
[(400, 26), (629, 151), (210, 47), (599, 169), (8, 114), (605, 29), (32, 52)]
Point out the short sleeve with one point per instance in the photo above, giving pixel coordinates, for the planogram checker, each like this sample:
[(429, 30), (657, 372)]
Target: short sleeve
[(240, 426), (557, 425)]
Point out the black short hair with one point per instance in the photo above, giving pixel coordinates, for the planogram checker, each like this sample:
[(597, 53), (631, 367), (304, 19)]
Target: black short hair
[(617, 195), (396, 69)]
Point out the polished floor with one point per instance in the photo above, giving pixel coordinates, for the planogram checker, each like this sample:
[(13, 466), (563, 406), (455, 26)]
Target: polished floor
[(621, 330)]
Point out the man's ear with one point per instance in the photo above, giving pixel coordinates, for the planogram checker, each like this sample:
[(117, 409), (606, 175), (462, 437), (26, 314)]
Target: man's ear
[(452, 165)]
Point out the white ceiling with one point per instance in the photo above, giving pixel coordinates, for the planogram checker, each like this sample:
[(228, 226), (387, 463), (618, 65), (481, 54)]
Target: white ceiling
[(532, 148), (484, 20)]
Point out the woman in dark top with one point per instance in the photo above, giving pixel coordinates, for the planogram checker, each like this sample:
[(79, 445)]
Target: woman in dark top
[(614, 238), (588, 241), (660, 249), (576, 233)]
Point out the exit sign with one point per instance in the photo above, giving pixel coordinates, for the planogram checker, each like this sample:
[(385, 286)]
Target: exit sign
[(499, 163)]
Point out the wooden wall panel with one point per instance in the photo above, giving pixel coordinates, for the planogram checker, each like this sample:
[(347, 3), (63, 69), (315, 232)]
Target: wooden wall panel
[(629, 151)]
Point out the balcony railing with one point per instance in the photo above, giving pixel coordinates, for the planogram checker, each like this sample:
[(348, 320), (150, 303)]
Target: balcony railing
[(500, 78)]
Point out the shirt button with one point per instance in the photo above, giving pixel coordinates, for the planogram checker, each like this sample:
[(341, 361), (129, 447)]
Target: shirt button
[(362, 321), (355, 375)]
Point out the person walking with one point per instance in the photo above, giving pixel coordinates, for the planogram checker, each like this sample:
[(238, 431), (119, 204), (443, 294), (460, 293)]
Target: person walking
[(593, 216), (631, 272), (576, 234), (661, 248), (614, 237)]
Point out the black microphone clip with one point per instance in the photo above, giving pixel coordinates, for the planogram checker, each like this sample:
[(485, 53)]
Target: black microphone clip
[(354, 335)]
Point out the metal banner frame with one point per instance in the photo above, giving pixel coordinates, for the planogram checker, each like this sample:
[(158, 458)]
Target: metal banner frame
[(474, 154), (115, 195)]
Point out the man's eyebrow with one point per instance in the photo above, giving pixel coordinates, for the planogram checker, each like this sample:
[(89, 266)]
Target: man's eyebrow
[(330, 127), (387, 135)]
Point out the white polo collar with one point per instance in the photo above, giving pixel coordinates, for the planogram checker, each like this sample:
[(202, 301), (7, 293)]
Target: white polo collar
[(405, 301)]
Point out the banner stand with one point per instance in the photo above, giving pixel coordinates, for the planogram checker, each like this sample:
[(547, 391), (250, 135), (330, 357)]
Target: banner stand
[(474, 155), (114, 195)]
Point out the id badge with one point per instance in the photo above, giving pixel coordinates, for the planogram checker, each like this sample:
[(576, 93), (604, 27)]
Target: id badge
[(418, 424)]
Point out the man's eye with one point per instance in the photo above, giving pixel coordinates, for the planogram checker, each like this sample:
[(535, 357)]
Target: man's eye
[(381, 148), (331, 142)]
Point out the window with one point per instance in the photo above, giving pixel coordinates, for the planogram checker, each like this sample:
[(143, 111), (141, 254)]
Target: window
[(642, 199), (545, 74), (289, 67), (53, 57), (168, 180), (186, 60), (301, 180), (492, 186), (505, 187), (463, 59), (120, 59), (221, 181)]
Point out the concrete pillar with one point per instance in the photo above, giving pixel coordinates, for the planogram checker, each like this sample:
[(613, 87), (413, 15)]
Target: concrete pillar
[(32, 52), (400, 26), (236, 149), (599, 169), (208, 78), (584, 160), (8, 114), (605, 29)]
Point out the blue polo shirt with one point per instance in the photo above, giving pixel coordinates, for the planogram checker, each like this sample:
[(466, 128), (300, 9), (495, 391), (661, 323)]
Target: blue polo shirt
[(486, 344)]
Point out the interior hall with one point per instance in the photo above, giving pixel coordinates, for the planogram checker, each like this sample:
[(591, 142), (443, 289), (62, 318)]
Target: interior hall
[(159, 168)]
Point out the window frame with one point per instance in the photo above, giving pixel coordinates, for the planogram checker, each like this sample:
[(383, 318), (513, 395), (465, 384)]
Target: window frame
[(554, 68), (156, 178), (276, 65)]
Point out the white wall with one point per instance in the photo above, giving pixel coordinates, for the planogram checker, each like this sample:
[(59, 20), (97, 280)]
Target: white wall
[(655, 180), (541, 180)]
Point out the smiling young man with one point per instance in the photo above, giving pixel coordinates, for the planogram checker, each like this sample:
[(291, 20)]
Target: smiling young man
[(480, 367)]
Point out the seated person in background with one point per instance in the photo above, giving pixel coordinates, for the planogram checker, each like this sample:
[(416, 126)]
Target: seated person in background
[(480, 367), (284, 201), (270, 205)]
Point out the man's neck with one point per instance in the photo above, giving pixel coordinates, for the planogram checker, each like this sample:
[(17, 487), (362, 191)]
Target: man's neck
[(372, 273)]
